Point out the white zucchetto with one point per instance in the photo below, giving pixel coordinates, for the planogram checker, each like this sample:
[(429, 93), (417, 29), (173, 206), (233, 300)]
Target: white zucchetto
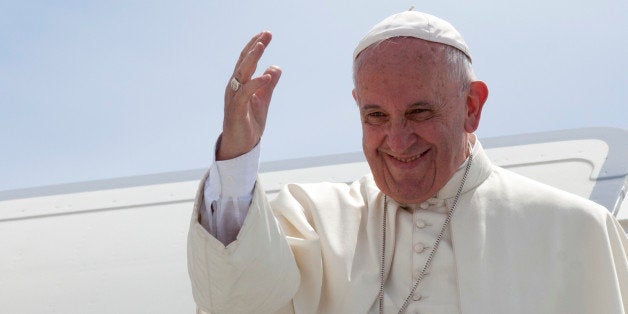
[(414, 24)]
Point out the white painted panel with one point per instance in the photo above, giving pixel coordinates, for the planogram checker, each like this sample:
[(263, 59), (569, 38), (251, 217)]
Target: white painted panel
[(572, 166), (97, 200), (622, 215), (114, 261)]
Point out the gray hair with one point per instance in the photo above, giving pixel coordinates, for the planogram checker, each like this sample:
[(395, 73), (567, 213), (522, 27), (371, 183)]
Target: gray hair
[(461, 69)]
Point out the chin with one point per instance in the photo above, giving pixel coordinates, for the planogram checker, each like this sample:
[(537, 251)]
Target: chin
[(409, 196), (408, 199)]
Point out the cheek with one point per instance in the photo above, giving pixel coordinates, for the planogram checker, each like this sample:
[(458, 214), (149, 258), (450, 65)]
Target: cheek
[(371, 138), (427, 131), (440, 128)]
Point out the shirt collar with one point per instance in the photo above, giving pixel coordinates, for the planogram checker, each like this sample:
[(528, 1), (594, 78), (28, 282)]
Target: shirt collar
[(479, 171)]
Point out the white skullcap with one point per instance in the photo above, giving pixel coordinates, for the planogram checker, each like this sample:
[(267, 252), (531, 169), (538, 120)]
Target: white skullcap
[(414, 24)]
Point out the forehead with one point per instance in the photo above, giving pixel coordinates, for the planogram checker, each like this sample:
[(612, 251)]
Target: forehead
[(402, 48), (401, 56), (401, 63)]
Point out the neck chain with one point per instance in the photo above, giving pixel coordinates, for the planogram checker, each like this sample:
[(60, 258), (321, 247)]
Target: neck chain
[(434, 247)]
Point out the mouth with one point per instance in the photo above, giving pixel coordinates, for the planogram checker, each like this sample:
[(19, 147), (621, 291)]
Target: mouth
[(409, 159)]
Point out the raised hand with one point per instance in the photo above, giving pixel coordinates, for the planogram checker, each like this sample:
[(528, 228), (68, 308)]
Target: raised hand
[(247, 100)]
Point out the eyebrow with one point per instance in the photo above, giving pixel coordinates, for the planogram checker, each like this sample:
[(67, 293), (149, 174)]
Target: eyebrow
[(420, 104), (413, 105), (367, 107)]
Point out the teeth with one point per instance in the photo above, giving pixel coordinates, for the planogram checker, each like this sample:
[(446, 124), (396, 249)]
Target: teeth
[(410, 159), (407, 159)]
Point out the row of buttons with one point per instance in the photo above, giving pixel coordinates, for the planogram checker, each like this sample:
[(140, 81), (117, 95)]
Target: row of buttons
[(420, 247)]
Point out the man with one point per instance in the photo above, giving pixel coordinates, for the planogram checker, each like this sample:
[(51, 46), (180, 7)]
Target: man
[(434, 229)]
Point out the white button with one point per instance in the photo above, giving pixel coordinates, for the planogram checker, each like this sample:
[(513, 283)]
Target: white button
[(424, 205), (417, 296), (420, 247), (420, 223)]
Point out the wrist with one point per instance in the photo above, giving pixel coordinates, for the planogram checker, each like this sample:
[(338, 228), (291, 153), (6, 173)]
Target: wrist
[(225, 150)]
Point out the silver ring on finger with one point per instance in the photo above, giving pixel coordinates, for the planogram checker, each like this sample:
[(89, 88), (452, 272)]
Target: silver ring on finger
[(234, 84)]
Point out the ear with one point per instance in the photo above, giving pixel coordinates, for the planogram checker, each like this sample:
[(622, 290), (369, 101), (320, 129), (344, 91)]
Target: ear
[(355, 95), (478, 92)]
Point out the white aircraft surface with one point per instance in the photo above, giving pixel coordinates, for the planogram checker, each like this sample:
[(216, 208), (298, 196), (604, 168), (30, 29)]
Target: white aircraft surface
[(119, 245)]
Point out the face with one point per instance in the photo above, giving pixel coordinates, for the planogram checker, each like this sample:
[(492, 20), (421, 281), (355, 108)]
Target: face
[(415, 121)]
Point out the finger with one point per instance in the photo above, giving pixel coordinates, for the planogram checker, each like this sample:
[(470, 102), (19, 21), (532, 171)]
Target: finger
[(263, 37), (246, 91), (248, 66), (244, 73), (247, 48), (266, 91), (260, 110)]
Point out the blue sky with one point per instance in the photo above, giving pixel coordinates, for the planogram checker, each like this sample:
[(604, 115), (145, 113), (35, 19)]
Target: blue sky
[(103, 89)]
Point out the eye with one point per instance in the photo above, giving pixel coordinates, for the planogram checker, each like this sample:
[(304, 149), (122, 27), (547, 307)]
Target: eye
[(419, 114), (375, 117)]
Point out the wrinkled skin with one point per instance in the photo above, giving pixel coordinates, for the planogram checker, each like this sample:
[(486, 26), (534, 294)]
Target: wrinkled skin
[(415, 121), (246, 109)]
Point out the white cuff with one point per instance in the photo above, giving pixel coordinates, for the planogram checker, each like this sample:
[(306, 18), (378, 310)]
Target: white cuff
[(233, 178), (227, 194)]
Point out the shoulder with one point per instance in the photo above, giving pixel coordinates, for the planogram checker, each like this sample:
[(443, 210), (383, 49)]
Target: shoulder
[(327, 194), (513, 192), (329, 209)]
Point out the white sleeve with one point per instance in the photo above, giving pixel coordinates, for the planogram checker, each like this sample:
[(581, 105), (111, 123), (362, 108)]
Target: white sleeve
[(227, 195)]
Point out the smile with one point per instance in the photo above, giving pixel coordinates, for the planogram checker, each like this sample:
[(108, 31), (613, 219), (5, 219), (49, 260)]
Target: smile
[(410, 159)]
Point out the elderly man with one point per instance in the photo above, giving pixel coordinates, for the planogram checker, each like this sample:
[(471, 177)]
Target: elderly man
[(434, 229)]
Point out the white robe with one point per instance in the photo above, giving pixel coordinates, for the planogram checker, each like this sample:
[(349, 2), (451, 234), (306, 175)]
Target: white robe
[(518, 247)]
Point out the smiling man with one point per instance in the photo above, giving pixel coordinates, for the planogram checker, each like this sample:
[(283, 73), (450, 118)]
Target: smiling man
[(416, 120), (436, 228)]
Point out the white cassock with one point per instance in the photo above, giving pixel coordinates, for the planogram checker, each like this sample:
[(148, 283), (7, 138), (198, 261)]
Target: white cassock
[(514, 246)]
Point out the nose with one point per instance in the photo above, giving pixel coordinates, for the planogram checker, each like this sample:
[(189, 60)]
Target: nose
[(400, 136)]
